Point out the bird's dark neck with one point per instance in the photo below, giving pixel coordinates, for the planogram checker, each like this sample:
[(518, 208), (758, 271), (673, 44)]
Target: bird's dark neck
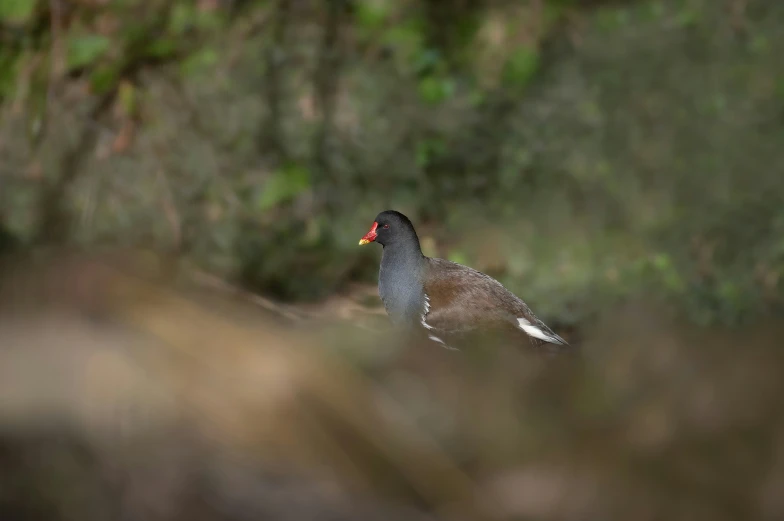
[(400, 281), (403, 256)]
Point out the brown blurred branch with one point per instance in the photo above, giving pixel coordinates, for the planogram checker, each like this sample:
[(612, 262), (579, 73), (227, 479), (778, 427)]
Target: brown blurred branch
[(216, 283)]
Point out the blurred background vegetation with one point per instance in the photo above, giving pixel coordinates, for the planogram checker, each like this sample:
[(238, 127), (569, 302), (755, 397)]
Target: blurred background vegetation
[(590, 154), (582, 152)]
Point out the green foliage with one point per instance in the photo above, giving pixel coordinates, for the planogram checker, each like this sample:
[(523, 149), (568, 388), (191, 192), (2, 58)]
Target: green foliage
[(9, 62), (610, 19), (616, 168), (435, 89), (269, 254), (85, 49), (200, 61), (657, 271), (16, 12), (187, 16), (688, 17), (127, 98), (105, 77), (780, 88), (656, 10), (372, 15), (182, 18), (428, 150), (407, 40), (162, 48), (521, 67), (283, 186), (458, 257)]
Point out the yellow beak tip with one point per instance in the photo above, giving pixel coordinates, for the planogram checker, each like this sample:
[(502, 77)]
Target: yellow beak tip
[(362, 242)]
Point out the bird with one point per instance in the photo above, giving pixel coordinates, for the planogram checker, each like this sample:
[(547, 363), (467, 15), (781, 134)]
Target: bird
[(442, 299)]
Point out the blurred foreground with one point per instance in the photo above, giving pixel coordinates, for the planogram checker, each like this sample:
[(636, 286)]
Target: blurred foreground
[(128, 399)]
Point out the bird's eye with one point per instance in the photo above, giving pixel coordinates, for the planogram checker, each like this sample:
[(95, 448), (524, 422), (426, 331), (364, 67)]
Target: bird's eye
[(386, 226)]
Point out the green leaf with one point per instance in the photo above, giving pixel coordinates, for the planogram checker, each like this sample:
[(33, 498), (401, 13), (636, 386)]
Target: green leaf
[(422, 154), (209, 19), (458, 257), (407, 39), (521, 66), (104, 78), (687, 18), (183, 17), (186, 17), (161, 48), (656, 10), (284, 185), (429, 149), (9, 65), (372, 15), (477, 97), (127, 97), (662, 261), (554, 11), (85, 49), (199, 61), (16, 12), (434, 89), (611, 18)]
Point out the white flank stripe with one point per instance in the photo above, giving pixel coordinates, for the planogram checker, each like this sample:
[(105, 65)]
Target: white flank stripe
[(537, 332), (436, 339), (424, 313)]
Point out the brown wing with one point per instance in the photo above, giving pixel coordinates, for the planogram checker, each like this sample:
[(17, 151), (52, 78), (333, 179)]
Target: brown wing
[(461, 299)]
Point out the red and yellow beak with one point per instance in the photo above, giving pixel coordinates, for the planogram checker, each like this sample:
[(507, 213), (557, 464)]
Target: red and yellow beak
[(369, 236)]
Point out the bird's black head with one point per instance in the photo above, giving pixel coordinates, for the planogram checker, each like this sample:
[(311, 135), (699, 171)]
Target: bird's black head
[(391, 227)]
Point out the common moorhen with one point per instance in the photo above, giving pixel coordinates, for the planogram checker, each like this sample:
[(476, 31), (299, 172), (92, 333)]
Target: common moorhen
[(444, 298)]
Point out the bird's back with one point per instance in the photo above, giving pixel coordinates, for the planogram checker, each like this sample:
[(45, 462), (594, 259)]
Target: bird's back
[(463, 299)]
